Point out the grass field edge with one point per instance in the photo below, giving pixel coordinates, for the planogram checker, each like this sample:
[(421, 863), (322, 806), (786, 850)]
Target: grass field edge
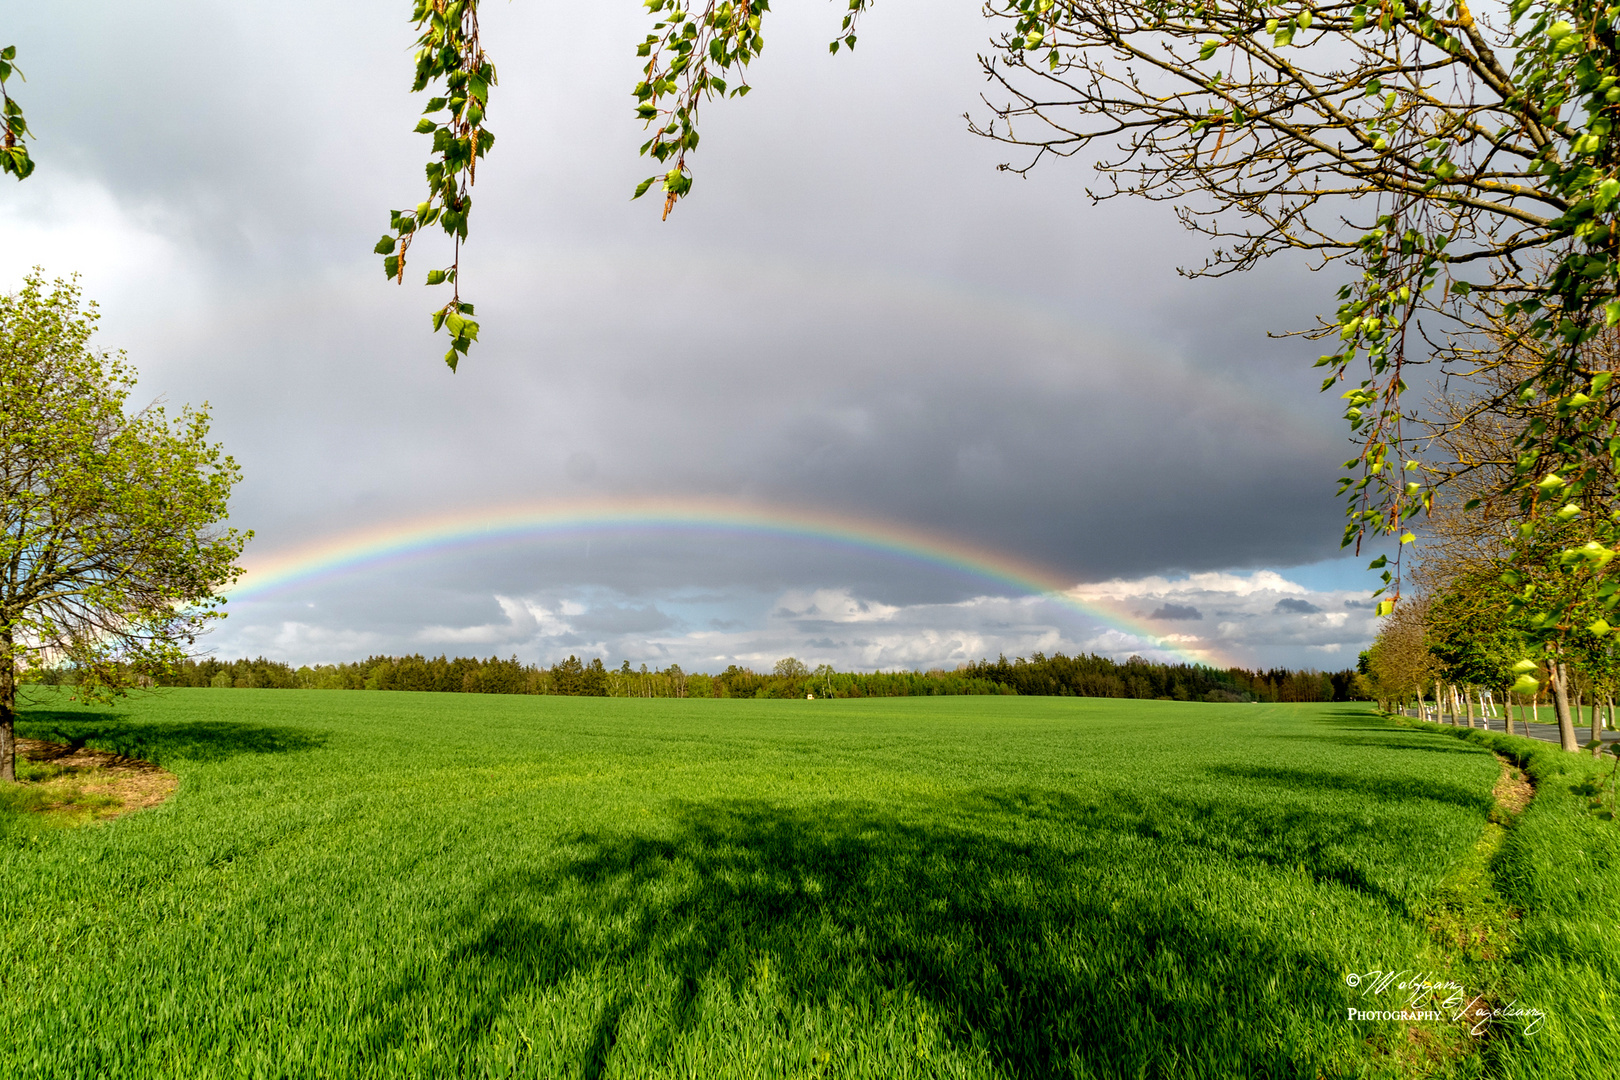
[(1560, 868)]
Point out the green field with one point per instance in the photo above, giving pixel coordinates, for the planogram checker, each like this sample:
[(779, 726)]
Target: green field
[(355, 884)]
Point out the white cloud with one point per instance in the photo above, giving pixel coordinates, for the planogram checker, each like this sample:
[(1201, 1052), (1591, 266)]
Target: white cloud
[(1245, 624), (526, 621), (831, 605), (130, 262), (1218, 583), (295, 641)]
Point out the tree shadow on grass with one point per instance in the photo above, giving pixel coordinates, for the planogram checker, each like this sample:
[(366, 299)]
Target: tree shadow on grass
[(1012, 945), (163, 742)]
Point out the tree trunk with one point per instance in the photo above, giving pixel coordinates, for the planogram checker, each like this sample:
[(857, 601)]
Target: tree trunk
[(1597, 728), (8, 709), (1507, 711), (1484, 709), (1468, 706), (1566, 725), (1535, 715)]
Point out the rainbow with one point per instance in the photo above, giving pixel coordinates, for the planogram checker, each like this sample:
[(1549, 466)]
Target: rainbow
[(393, 541)]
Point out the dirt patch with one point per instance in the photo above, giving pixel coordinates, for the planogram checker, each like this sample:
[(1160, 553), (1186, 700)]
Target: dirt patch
[(79, 782), (1513, 788)]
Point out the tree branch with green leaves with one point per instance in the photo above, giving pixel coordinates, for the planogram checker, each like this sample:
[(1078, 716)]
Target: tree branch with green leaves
[(14, 131), (448, 52), (1391, 138), (694, 54)]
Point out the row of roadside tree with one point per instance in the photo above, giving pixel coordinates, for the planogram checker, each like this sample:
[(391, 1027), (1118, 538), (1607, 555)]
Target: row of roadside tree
[(1511, 614)]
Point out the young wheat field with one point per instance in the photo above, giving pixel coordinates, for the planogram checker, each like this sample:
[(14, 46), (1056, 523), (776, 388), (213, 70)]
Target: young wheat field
[(353, 884)]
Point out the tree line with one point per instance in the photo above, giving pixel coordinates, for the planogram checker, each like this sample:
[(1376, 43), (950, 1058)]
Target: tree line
[(1039, 675), (1099, 676)]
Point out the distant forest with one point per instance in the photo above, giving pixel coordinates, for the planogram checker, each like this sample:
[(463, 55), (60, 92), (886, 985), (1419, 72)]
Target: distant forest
[(1039, 675)]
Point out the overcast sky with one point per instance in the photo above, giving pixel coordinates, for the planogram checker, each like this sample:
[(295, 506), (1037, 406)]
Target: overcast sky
[(854, 312)]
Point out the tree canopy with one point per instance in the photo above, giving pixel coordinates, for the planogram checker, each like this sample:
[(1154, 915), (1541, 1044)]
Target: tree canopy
[(111, 542)]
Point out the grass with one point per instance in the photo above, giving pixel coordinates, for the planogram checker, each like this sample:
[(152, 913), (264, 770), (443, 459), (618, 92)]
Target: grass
[(1560, 867), (47, 787), (373, 884)]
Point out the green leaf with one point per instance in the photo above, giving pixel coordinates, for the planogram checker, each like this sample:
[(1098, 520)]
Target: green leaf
[(385, 246)]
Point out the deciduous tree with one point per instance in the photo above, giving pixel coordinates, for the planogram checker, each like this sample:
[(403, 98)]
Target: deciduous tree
[(1400, 661), (112, 543)]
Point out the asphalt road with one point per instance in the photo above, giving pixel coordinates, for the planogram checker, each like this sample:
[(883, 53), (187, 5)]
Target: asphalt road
[(1547, 732)]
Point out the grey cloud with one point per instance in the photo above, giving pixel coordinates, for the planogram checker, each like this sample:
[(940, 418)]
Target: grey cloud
[(1293, 605), (626, 619), (898, 343), (1177, 612)]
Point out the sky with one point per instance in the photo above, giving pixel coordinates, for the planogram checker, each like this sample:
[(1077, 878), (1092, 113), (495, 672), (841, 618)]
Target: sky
[(855, 329)]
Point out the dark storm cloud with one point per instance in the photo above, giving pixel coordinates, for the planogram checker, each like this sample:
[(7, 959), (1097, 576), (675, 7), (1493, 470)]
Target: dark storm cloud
[(883, 327), (1177, 613), (1297, 607)]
